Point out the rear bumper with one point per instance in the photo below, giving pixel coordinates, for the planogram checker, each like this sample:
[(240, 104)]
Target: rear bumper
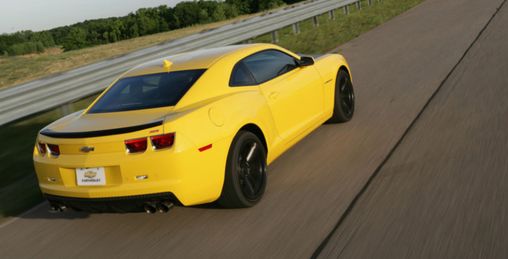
[(114, 204), (190, 176)]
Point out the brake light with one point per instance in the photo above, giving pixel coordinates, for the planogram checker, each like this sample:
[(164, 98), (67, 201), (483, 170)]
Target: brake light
[(163, 141), (136, 145), (54, 150), (41, 147)]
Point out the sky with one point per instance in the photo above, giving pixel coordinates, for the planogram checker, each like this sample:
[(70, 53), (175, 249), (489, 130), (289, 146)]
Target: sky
[(39, 15)]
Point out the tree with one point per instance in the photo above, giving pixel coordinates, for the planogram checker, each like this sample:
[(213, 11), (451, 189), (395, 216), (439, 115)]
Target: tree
[(142, 22), (76, 39), (219, 13), (187, 13)]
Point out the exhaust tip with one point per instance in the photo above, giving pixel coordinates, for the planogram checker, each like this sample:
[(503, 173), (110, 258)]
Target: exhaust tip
[(164, 206), (149, 208), (53, 209), (57, 208)]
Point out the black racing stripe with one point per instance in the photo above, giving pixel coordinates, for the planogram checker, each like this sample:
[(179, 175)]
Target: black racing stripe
[(98, 133)]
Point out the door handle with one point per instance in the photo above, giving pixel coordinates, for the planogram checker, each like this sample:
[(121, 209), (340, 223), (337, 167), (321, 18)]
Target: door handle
[(274, 95)]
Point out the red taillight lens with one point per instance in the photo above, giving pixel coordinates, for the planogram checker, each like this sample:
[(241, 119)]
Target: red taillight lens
[(136, 145), (54, 150), (41, 147), (163, 141)]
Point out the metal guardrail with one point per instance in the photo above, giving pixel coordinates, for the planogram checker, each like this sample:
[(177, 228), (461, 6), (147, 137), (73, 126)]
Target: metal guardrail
[(26, 99)]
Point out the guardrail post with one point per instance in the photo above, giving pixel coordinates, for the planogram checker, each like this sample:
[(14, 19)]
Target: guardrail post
[(315, 21), (346, 9), (331, 14), (359, 5), (275, 36), (296, 28)]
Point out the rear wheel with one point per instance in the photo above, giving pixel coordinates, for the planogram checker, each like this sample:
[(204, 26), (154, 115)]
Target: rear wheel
[(344, 105), (245, 178)]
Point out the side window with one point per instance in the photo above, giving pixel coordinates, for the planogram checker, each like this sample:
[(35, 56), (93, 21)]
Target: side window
[(241, 76), (263, 66)]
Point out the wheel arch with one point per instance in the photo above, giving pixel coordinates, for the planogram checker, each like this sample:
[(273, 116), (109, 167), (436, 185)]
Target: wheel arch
[(343, 67)]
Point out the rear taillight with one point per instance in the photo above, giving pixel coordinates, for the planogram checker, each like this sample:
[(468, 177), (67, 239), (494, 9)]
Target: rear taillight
[(136, 145), (41, 147), (54, 150), (162, 141)]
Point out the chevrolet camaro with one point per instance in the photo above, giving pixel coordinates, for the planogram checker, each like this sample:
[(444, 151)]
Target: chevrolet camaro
[(192, 128)]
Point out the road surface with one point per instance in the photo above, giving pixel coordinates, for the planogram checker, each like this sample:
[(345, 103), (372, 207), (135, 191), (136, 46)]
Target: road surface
[(419, 171), (443, 193)]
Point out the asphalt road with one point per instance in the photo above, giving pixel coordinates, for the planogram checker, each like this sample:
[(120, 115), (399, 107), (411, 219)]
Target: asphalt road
[(401, 182), (443, 193)]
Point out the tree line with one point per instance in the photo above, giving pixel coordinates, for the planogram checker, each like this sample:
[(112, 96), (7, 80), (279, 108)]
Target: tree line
[(144, 21)]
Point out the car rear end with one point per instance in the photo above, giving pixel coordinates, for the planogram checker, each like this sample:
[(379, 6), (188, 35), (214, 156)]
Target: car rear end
[(120, 154), (75, 168)]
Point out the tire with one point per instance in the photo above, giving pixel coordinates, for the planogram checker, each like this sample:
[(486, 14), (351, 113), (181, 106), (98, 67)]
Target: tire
[(245, 177), (344, 104)]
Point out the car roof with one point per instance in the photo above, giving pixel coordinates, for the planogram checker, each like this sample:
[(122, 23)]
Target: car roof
[(198, 59)]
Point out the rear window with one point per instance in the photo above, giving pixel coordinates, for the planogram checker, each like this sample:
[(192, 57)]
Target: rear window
[(147, 91)]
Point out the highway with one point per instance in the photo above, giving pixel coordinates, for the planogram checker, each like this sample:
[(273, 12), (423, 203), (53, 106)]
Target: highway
[(420, 172)]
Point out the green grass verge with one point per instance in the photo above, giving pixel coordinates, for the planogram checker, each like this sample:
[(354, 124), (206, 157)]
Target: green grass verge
[(332, 33), (18, 188)]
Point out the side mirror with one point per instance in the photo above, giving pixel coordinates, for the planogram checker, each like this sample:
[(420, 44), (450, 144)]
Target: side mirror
[(306, 61)]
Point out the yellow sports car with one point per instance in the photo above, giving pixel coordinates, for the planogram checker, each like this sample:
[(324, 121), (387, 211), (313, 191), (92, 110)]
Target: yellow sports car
[(189, 129)]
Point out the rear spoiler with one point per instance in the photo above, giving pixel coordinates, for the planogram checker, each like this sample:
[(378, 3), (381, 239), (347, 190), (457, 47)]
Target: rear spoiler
[(98, 133)]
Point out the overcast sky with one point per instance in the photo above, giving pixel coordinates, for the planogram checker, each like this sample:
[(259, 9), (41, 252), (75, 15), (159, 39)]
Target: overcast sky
[(39, 15)]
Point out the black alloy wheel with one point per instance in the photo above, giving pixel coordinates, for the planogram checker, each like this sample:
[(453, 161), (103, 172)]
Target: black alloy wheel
[(245, 178), (344, 105)]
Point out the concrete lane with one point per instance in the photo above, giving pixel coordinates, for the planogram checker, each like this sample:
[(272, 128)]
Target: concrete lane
[(444, 191), (396, 68)]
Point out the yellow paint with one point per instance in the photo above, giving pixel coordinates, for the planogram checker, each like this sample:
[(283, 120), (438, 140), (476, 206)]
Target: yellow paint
[(286, 109)]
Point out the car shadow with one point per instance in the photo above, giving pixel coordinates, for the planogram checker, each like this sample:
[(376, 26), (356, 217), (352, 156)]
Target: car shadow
[(42, 211)]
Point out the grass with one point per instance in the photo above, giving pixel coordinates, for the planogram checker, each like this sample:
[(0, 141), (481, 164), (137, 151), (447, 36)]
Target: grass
[(18, 187)]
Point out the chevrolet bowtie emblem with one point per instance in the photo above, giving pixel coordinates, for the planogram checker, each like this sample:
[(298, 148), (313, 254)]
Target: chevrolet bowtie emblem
[(87, 149), (90, 174)]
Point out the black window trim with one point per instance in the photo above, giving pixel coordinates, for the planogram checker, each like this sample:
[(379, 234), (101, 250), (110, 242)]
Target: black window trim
[(250, 72)]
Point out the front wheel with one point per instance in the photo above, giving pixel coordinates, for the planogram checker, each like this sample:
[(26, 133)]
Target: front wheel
[(344, 105), (245, 177)]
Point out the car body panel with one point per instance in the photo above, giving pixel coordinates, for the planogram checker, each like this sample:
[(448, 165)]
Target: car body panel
[(210, 113)]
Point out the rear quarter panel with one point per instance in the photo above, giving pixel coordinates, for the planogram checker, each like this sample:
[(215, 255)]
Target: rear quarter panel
[(222, 117), (215, 122)]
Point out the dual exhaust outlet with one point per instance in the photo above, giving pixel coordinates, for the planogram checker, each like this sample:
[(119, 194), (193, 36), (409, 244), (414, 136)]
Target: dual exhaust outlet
[(162, 207), (57, 208)]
